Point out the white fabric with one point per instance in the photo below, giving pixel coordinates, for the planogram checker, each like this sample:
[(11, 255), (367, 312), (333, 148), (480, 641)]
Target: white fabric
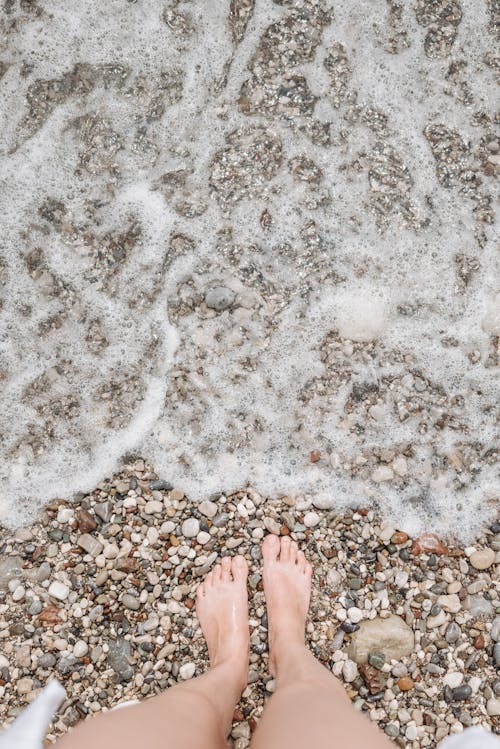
[(28, 730), (474, 738)]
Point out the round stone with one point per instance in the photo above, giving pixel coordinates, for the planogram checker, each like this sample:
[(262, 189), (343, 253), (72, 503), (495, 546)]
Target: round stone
[(80, 648), (207, 508), (190, 528), (355, 614), (311, 519), (187, 670), (18, 594), (482, 559), (219, 298), (130, 602)]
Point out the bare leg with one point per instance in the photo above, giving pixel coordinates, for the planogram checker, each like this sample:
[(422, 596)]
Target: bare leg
[(309, 706), (197, 713)]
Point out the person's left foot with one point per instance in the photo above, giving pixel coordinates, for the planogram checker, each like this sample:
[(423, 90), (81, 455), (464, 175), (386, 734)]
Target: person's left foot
[(222, 608)]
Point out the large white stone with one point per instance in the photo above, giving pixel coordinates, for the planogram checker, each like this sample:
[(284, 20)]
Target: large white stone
[(391, 636)]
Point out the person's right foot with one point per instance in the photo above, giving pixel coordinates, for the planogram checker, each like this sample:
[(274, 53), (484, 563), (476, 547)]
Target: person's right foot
[(287, 587)]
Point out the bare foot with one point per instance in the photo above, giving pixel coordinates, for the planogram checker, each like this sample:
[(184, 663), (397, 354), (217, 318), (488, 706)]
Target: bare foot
[(287, 586), (222, 608)]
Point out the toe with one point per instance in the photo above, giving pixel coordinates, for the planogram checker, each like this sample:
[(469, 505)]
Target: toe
[(301, 561), (226, 570), (270, 548), (216, 574), (308, 570), (285, 549), (239, 568), (294, 549)]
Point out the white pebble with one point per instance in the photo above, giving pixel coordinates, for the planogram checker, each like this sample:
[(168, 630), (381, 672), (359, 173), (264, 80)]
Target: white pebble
[(349, 671), (311, 519), (190, 528), (80, 648), (207, 508), (58, 590), (355, 615), (187, 670), (203, 538), (453, 679), (18, 594)]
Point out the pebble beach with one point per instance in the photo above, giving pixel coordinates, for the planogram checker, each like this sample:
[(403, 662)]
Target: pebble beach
[(100, 594)]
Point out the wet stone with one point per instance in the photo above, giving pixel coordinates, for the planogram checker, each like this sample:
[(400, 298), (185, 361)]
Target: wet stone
[(118, 654)]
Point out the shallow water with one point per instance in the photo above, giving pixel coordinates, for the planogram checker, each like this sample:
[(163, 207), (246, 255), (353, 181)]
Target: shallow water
[(254, 243)]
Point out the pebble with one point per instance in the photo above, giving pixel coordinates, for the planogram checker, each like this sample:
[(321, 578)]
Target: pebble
[(187, 671), (482, 559), (80, 648), (118, 654), (463, 692), (219, 298), (450, 603), (131, 602), (493, 707), (354, 614), (453, 679), (311, 519), (18, 593), (58, 590), (392, 636), (436, 621), (203, 538), (333, 579), (349, 671), (190, 527), (24, 685), (495, 629), (207, 508), (452, 632), (90, 544), (405, 683), (496, 654)]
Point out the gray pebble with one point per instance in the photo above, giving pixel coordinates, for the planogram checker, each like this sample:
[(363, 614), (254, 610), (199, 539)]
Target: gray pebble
[(46, 660), (219, 298), (118, 654), (452, 632), (130, 602), (463, 692), (496, 654), (35, 607)]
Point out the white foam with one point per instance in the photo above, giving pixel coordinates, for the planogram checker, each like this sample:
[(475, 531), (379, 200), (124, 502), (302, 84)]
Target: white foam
[(348, 335)]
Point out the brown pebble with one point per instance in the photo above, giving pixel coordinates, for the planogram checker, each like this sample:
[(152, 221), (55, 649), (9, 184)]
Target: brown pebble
[(479, 642), (314, 456), (405, 683), (399, 537), (428, 542), (85, 521), (174, 541), (374, 679), (284, 530), (49, 615)]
